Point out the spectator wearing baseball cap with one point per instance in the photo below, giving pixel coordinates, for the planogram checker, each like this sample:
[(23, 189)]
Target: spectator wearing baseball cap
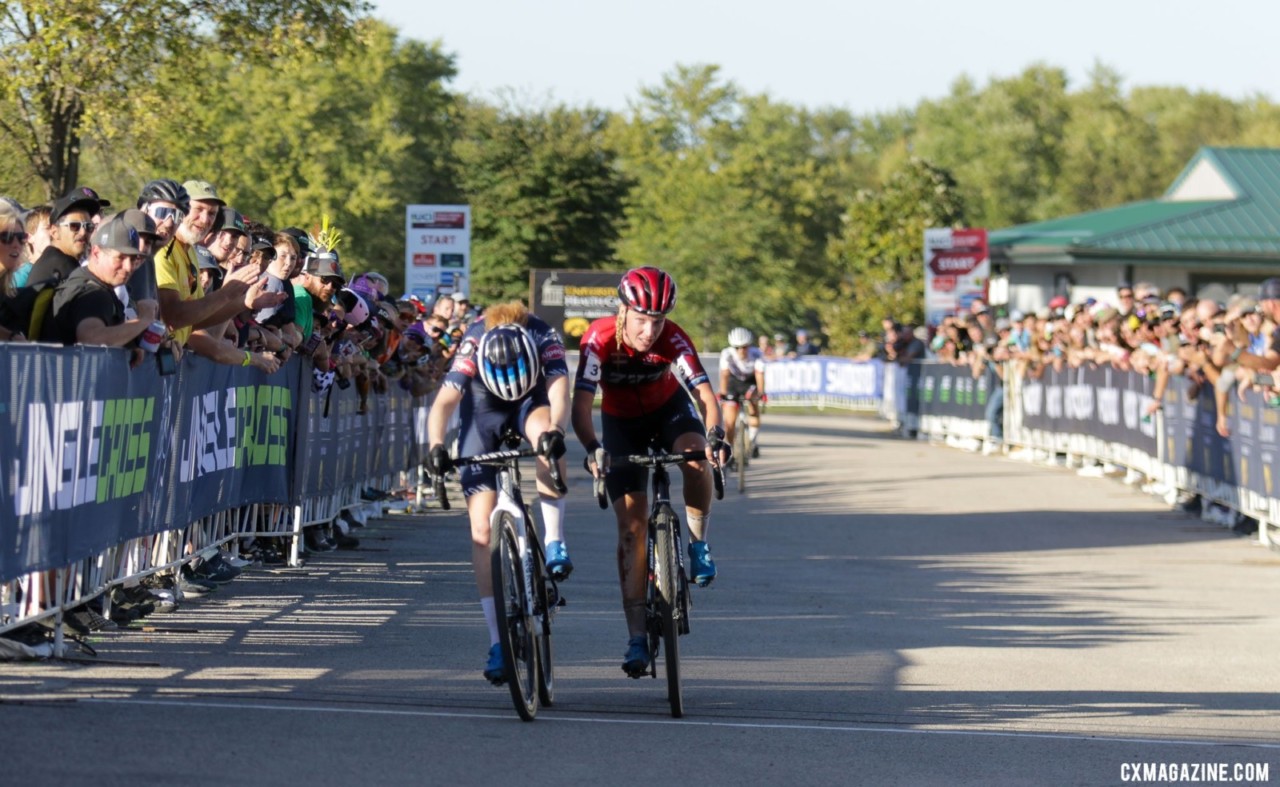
[(226, 242), (70, 225), (184, 305), (85, 307)]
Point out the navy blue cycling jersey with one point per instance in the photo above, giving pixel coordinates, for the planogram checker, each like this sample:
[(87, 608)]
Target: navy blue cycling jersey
[(464, 374)]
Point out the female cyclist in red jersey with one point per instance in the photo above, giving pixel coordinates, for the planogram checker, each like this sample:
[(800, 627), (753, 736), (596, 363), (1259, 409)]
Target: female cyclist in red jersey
[(629, 357)]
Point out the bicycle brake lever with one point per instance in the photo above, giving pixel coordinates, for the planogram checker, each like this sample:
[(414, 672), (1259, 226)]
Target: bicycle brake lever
[(441, 494), (717, 476), (601, 497)]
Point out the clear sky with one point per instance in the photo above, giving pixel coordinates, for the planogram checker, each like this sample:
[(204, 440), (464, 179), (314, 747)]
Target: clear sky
[(859, 55)]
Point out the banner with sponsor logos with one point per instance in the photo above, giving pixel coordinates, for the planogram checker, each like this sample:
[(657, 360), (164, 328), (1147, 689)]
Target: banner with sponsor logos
[(1245, 457), (1100, 402), (95, 453), (437, 249), (944, 390), (823, 381), (571, 300), (347, 446)]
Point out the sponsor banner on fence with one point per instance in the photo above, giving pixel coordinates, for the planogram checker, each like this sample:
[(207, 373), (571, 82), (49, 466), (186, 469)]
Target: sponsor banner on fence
[(940, 389), (1100, 402), (819, 380), (96, 453), (1244, 457), (346, 446)]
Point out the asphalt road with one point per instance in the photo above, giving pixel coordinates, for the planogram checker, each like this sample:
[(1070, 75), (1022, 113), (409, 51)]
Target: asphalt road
[(887, 612)]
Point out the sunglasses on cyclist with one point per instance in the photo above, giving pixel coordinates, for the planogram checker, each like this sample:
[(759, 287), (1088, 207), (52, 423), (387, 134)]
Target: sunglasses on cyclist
[(77, 226), (161, 213), (13, 237)]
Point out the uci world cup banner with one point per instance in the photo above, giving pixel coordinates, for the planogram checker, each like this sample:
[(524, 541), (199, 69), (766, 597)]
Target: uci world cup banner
[(96, 453)]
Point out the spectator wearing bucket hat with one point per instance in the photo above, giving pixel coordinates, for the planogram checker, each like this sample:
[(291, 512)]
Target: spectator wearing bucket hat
[(184, 304)]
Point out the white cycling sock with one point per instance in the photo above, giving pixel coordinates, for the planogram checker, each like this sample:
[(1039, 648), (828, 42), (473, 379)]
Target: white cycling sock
[(697, 524), (490, 617), (752, 431), (552, 518)]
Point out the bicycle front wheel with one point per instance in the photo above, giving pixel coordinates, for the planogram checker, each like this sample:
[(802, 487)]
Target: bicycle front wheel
[(546, 596), (667, 580), (515, 625)]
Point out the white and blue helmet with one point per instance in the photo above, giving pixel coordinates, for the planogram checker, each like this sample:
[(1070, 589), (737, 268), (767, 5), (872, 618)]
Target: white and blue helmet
[(508, 362)]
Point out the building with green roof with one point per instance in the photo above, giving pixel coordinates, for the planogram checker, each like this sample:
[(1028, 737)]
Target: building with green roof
[(1214, 232)]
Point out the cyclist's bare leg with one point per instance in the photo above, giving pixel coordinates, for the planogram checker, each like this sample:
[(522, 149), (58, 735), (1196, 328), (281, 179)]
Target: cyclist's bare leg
[(697, 484), (753, 421), (479, 509), (539, 421), (632, 511), (729, 416)]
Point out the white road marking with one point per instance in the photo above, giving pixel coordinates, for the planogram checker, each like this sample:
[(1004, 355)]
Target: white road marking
[(688, 723)]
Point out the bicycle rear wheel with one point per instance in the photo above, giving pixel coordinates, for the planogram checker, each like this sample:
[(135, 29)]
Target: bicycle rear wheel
[(545, 598), (741, 453), (515, 625), (667, 579)]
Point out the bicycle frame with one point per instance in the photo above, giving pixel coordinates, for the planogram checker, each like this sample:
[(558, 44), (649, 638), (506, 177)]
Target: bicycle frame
[(534, 604)]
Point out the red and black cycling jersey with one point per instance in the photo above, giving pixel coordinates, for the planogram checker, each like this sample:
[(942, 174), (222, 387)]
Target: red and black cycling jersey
[(635, 383)]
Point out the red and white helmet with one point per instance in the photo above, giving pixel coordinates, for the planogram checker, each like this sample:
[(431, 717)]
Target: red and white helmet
[(648, 290)]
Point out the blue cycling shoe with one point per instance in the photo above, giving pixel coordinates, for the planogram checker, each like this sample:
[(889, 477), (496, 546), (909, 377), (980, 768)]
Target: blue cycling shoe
[(636, 663), (496, 670), (701, 567), (559, 566)]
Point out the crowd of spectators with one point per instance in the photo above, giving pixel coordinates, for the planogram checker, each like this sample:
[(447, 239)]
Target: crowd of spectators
[(1222, 348), (182, 272)]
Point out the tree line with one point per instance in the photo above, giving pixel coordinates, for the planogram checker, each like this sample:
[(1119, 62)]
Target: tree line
[(769, 215)]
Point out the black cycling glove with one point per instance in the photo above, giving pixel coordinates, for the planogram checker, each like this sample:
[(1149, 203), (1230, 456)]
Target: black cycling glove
[(438, 462), (551, 444)]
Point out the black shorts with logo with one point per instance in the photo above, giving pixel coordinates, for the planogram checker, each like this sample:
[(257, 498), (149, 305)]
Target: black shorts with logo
[(624, 436)]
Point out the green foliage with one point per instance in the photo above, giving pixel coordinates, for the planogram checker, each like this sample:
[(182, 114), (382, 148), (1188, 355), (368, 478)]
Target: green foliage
[(544, 191), (735, 196), (878, 253), (69, 68), (355, 138), (1004, 144)]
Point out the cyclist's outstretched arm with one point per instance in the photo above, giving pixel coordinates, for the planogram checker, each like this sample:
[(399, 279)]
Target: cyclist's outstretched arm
[(583, 427), (724, 380), (709, 404), (438, 419), (558, 394)]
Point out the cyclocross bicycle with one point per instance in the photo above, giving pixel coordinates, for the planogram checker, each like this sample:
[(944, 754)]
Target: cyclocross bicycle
[(525, 596), (741, 436), (666, 599)]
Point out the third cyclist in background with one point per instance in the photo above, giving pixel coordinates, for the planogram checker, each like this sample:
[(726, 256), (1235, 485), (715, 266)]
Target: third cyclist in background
[(742, 382), (630, 357)]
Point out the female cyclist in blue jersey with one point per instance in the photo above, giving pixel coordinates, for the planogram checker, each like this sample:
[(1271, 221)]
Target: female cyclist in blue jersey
[(509, 372)]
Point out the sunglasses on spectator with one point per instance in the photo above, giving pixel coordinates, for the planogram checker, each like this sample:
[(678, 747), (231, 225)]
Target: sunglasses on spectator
[(436, 332), (77, 226), (161, 213), (16, 236)]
